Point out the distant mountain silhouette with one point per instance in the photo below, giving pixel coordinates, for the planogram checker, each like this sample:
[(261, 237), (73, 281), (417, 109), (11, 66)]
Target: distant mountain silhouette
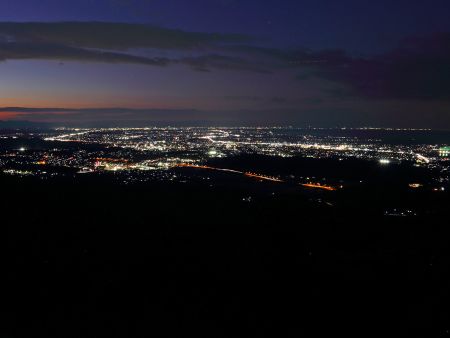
[(23, 124)]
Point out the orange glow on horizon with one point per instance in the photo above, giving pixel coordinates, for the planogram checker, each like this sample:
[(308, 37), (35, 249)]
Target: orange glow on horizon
[(42, 101), (9, 115)]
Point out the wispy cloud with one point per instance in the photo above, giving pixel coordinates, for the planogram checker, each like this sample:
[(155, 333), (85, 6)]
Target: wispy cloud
[(419, 68), (74, 114), (117, 43), (89, 117), (110, 35), (36, 51)]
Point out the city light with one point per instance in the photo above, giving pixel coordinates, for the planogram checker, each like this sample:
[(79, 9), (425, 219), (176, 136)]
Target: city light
[(153, 152)]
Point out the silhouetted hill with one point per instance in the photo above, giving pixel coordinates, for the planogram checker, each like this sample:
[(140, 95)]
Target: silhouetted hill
[(23, 124)]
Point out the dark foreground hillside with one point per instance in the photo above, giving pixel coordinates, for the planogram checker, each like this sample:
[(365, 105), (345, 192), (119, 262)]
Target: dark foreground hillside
[(89, 257)]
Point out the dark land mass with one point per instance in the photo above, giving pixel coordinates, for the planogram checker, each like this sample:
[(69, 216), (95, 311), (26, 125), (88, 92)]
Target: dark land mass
[(228, 256)]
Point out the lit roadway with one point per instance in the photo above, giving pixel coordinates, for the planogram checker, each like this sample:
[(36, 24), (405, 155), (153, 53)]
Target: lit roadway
[(254, 175), (248, 174), (318, 186)]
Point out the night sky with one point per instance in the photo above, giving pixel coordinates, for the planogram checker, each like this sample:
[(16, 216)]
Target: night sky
[(319, 63)]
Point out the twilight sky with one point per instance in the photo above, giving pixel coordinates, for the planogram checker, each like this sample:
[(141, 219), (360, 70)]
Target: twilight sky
[(226, 62)]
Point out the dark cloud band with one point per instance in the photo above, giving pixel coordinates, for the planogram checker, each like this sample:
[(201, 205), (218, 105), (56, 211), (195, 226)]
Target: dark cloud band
[(110, 35), (419, 68)]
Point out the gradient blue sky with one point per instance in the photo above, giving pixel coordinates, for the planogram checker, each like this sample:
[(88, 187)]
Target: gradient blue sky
[(324, 63)]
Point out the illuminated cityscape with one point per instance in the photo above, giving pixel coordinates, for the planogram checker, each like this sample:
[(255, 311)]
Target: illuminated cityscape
[(162, 153)]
